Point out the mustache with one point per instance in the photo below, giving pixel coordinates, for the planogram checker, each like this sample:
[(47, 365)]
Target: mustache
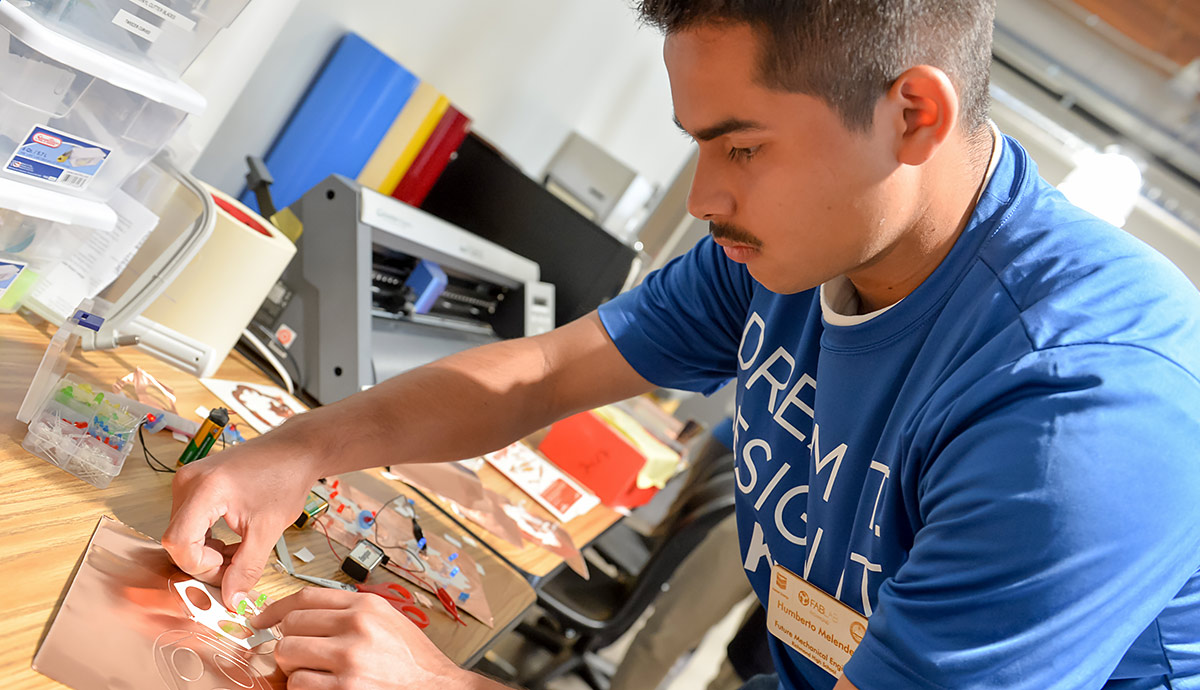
[(733, 233)]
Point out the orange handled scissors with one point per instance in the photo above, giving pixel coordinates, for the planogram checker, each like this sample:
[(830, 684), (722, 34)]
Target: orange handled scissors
[(400, 598)]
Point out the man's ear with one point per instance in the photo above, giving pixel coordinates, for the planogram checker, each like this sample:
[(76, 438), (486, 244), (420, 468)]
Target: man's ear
[(922, 107)]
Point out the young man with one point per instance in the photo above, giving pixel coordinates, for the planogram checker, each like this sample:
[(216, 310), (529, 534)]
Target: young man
[(967, 410)]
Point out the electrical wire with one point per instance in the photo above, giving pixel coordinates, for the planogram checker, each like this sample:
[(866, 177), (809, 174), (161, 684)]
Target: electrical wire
[(161, 468), (328, 540), (271, 359), (282, 353), (414, 557), (443, 596), (415, 574), (298, 375)]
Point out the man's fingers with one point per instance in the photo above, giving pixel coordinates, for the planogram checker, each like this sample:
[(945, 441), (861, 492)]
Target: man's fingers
[(307, 598), (315, 623), (246, 566), (186, 535), (213, 576), (294, 653), (312, 680)]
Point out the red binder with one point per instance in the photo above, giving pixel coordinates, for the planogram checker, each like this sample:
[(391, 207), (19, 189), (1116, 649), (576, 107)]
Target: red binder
[(433, 158)]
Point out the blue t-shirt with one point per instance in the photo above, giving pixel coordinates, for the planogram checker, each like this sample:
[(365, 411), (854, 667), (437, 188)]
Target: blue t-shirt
[(1002, 471)]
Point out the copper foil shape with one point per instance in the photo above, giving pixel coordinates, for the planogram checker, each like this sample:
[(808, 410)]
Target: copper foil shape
[(122, 626)]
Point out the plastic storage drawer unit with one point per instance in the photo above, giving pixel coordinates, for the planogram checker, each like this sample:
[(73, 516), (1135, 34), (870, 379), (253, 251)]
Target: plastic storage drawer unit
[(162, 36), (74, 119), (38, 228)]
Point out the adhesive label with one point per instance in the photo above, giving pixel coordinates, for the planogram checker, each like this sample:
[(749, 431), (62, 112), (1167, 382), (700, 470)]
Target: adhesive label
[(166, 13), (53, 156), (137, 27)]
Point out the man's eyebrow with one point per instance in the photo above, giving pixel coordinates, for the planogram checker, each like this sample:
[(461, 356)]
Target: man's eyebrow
[(722, 128)]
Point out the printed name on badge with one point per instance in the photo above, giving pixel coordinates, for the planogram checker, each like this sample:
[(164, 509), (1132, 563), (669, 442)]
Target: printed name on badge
[(808, 620)]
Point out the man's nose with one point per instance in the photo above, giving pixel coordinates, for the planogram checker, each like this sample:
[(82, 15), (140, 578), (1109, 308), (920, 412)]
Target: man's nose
[(709, 198)]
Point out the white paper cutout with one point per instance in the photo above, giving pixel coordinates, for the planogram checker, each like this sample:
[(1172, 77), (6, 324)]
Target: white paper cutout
[(214, 614)]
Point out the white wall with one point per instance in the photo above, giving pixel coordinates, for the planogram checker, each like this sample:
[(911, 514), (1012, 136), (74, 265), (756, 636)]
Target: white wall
[(220, 72), (527, 71)]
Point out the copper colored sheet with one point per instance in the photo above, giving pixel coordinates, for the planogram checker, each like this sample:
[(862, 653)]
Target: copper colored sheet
[(490, 510), (469, 498), (123, 625), (442, 565), (449, 480), (461, 487), (485, 515), (550, 536)]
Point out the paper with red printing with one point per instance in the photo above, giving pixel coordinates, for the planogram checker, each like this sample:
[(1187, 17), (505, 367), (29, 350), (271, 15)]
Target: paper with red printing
[(553, 489)]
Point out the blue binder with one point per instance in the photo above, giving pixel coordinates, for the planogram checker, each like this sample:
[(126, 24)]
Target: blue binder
[(339, 122)]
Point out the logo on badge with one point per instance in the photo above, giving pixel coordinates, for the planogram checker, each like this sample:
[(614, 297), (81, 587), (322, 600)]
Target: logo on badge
[(857, 631), (804, 600), (780, 580)]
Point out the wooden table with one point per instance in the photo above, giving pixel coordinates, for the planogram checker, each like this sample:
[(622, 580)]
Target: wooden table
[(47, 515)]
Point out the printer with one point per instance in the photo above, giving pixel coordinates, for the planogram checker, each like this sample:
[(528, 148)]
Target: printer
[(378, 287)]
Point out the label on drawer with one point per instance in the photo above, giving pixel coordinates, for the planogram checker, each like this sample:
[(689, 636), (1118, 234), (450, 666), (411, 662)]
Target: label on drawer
[(54, 156), (137, 27), (166, 13)]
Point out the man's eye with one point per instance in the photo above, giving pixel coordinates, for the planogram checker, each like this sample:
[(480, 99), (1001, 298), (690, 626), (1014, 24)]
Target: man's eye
[(742, 154)]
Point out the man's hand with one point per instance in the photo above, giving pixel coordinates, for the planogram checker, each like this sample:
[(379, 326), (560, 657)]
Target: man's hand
[(352, 641), (259, 489)]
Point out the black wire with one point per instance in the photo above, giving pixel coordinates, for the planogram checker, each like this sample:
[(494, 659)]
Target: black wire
[(162, 468), (415, 557), (283, 354), (288, 358)]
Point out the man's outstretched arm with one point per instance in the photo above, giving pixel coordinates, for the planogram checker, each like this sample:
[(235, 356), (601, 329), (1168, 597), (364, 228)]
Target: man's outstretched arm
[(458, 407)]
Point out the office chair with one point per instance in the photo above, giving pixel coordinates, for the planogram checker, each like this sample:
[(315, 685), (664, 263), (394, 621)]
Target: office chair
[(588, 615)]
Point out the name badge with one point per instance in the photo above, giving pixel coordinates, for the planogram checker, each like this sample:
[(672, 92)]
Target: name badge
[(808, 620)]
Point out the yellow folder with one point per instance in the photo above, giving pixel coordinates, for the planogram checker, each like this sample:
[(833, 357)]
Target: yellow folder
[(404, 139)]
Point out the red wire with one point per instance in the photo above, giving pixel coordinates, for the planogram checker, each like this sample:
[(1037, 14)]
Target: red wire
[(453, 613), (328, 540)]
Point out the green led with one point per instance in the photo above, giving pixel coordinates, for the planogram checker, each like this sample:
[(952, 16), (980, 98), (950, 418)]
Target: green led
[(241, 607), (262, 599)]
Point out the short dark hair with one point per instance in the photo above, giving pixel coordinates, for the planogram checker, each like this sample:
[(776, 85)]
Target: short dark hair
[(849, 52)]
